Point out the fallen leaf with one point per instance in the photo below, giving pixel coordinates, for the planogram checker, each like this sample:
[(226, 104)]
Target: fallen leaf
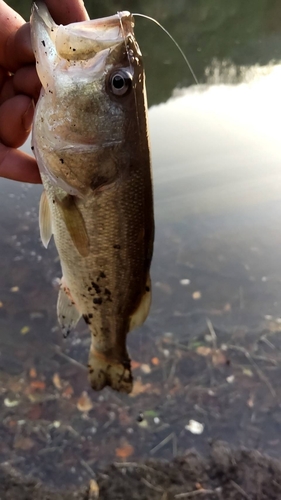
[(194, 427), (68, 392), (25, 330), (35, 412), (126, 451), (57, 381), (155, 361), (84, 403), (38, 384), (139, 388), (196, 295), (93, 489), (14, 289), (203, 350), (218, 358), (32, 373), (11, 403), (145, 368), (23, 443), (135, 364)]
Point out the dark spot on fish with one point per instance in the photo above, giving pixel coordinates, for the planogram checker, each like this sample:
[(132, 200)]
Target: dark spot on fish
[(52, 29), (74, 50), (90, 315), (97, 300), (45, 53), (147, 289), (91, 370), (37, 62), (117, 247), (96, 287), (86, 318), (54, 201), (61, 160), (32, 148), (102, 275), (63, 317), (51, 92)]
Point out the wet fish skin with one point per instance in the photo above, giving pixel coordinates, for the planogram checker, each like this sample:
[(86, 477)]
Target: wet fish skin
[(92, 148)]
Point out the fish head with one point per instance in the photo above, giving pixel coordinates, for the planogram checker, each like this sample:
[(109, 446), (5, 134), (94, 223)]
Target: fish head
[(92, 101)]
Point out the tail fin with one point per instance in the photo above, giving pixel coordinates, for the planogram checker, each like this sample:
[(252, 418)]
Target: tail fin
[(104, 371)]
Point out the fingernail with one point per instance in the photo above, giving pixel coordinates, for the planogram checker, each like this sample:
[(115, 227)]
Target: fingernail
[(28, 116)]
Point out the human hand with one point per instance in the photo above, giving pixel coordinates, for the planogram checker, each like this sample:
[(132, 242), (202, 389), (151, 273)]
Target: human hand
[(20, 86)]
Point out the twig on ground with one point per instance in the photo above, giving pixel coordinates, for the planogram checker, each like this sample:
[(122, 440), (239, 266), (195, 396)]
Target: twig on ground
[(241, 491), (195, 493), (212, 333), (151, 486), (260, 373), (162, 443)]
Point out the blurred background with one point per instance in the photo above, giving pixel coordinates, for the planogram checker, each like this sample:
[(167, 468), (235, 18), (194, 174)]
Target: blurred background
[(207, 362)]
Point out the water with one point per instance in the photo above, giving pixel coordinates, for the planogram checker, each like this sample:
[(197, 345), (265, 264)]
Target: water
[(210, 349)]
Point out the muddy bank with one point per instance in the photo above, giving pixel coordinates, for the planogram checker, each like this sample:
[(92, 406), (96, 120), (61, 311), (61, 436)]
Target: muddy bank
[(225, 475)]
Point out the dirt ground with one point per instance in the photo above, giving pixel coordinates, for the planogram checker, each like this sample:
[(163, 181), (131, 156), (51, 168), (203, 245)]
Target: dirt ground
[(225, 475)]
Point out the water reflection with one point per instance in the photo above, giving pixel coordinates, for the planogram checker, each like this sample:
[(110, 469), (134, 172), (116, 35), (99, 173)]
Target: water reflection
[(210, 349)]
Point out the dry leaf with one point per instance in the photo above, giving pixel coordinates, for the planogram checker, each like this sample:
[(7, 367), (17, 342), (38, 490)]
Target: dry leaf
[(38, 384), (145, 368), (84, 403), (25, 330), (203, 350), (57, 381), (32, 373), (155, 361), (68, 392), (135, 364), (126, 451), (23, 443), (218, 358), (139, 388), (14, 289), (93, 489)]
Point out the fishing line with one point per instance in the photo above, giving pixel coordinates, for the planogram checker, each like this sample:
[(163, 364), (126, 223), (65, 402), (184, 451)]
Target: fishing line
[(172, 38)]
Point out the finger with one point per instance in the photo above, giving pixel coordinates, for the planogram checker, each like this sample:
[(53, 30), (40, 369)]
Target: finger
[(26, 81), (15, 45), (67, 11), (16, 116), (7, 91), (18, 166)]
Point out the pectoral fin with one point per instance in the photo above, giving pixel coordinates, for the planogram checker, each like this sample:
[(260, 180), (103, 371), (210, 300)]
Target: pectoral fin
[(141, 313), (68, 315), (75, 224), (45, 221)]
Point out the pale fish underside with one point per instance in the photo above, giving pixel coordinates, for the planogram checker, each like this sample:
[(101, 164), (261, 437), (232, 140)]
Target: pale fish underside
[(91, 143)]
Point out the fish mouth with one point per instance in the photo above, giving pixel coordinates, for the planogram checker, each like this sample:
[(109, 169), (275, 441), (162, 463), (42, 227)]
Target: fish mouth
[(83, 40)]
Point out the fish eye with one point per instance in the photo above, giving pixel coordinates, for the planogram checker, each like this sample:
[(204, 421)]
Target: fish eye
[(120, 82)]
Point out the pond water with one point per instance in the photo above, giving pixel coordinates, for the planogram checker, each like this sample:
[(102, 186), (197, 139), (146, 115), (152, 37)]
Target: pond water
[(207, 362)]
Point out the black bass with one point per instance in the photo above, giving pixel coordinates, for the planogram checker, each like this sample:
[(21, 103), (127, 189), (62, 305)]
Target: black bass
[(91, 143)]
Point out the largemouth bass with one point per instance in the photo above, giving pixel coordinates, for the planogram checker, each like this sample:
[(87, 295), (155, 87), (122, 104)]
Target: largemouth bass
[(91, 143)]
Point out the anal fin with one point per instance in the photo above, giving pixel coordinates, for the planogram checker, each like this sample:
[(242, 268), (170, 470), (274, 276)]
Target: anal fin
[(45, 220), (140, 314), (68, 314)]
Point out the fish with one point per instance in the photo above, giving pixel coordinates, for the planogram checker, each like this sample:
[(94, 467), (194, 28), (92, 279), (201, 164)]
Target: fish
[(90, 139)]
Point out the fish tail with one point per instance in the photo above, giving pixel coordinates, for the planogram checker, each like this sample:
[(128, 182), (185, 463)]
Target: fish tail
[(104, 371)]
